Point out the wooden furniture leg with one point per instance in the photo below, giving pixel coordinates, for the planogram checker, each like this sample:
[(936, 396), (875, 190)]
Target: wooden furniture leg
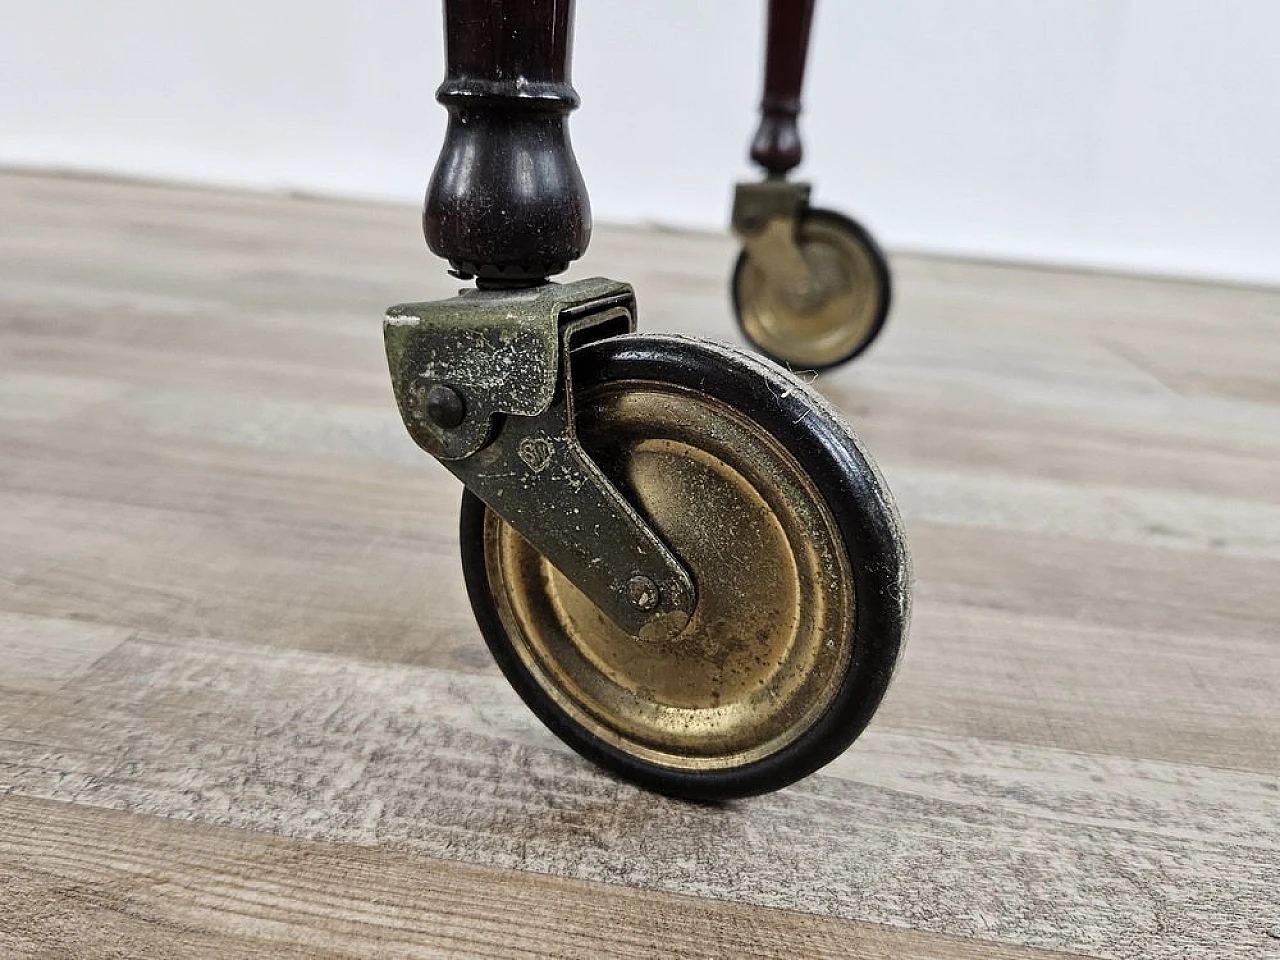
[(507, 203), (777, 146)]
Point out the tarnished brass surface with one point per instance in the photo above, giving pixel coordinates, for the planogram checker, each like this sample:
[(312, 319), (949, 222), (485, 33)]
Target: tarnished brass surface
[(771, 636), (826, 319)]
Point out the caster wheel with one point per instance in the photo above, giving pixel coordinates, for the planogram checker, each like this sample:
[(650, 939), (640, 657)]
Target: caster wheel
[(843, 316), (792, 539)]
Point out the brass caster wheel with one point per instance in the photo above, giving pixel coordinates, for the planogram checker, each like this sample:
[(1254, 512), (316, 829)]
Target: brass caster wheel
[(838, 314), (794, 543)]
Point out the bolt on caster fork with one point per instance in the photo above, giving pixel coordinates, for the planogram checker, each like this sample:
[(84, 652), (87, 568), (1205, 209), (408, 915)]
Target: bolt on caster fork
[(680, 557), (811, 287)]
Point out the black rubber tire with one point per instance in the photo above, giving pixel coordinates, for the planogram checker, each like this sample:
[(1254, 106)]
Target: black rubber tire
[(864, 513), (879, 264)]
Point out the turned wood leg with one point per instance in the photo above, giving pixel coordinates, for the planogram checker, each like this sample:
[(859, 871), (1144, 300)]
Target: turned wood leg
[(506, 202), (776, 146)]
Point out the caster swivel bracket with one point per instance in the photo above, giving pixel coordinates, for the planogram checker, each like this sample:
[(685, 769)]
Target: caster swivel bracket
[(765, 215), (483, 383)]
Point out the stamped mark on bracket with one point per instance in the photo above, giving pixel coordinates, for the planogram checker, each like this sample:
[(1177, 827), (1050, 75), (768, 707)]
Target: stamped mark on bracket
[(536, 453)]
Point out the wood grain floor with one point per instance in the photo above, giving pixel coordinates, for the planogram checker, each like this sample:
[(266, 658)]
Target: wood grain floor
[(244, 710)]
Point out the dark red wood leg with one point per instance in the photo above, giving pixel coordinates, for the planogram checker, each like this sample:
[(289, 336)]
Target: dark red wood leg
[(507, 202), (776, 146)]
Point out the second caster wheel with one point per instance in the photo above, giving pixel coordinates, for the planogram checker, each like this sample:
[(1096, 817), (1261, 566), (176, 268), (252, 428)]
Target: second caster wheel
[(792, 540), (838, 316)]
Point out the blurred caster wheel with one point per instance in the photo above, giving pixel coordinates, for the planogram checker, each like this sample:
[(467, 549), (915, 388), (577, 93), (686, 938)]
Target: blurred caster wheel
[(792, 539), (838, 317)]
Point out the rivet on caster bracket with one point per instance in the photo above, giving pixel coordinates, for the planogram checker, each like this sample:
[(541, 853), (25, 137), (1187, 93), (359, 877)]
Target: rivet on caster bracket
[(444, 406)]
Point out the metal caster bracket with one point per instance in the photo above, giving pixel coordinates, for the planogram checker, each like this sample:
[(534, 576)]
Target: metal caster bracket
[(765, 216), (483, 383)]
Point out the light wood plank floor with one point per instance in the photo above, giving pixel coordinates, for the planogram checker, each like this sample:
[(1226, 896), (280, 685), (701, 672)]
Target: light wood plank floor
[(244, 710)]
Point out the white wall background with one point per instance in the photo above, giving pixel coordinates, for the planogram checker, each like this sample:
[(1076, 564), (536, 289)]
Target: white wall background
[(1140, 134)]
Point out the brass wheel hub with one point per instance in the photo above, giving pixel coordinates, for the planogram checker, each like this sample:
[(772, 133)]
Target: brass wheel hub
[(829, 319), (771, 638)]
